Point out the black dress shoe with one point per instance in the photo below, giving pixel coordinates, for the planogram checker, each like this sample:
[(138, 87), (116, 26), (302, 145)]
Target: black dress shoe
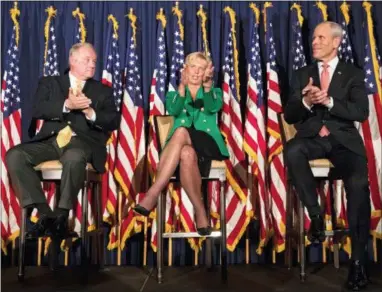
[(141, 210), (41, 227), (356, 278), (316, 232), (59, 227), (204, 231), (365, 278)]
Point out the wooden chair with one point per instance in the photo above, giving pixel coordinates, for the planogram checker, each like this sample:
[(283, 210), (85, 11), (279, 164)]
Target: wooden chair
[(322, 171), (163, 124), (50, 171)]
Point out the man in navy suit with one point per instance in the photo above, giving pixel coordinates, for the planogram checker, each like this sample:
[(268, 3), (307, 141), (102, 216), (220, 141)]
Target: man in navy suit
[(326, 98), (78, 115)]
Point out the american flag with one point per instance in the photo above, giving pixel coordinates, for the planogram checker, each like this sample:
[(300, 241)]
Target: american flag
[(177, 196), (296, 39), (157, 98), (277, 181), (298, 59), (238, 216), (111, 76), (345, 50), (51, 56), (255, 132), (157, 94), (371, 129), (10, 135), (131, 142), (50, 68)]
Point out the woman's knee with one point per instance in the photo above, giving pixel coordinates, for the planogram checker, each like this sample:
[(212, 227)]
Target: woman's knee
[(181, 135), (188, 154)]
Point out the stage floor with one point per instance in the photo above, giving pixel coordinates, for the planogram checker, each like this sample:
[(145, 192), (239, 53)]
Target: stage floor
[(183, 279)]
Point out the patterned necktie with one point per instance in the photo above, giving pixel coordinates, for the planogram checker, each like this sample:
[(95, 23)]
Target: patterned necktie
[(65, 135), (325, 81)]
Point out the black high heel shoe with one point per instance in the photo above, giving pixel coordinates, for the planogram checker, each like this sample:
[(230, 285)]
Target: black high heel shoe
[(141, 210), (204, 231)]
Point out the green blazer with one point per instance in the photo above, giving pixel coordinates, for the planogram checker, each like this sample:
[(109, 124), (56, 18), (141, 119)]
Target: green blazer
[(203, 112)]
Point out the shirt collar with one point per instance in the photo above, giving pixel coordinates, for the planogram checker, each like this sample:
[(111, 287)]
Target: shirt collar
[(332, 63), (74, 79)]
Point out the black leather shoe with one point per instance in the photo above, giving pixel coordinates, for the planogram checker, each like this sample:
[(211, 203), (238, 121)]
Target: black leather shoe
[(356, 278), (365, 279), (141, 210), (60, 227), (316, 232), (41, 227), (204, 231)]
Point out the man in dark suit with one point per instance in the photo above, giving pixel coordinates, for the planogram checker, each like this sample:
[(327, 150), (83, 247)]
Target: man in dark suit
[(326, 98), (78, 115)]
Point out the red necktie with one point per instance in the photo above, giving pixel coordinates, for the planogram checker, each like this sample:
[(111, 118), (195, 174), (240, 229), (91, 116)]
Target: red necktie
[(325, 81)]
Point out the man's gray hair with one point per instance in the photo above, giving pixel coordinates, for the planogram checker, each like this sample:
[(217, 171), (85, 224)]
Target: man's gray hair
[(336, 29), (78, 46)]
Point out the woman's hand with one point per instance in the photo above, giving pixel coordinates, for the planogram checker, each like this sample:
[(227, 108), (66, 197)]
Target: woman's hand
[(208, 77)]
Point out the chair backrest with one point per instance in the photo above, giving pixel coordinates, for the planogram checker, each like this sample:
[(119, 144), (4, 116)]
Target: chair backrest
[(163, 125), (287, 131)]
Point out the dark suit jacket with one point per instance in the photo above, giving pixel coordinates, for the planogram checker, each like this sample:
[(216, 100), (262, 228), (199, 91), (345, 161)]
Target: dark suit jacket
[(350, 99), (49, 102)]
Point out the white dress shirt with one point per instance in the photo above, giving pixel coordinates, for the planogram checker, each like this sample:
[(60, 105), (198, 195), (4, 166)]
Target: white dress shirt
[(332, 64), (73, 84)]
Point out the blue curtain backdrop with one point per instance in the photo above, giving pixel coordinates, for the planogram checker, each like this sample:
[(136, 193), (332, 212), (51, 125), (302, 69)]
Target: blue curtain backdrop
[(33, 17)]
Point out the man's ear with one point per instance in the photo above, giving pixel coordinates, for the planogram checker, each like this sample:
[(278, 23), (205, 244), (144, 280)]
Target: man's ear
[(337, 42)]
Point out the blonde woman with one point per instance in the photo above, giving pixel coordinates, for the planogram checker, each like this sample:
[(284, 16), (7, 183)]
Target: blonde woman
[(194, 139)]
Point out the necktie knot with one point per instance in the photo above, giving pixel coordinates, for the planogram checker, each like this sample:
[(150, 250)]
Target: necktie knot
[(78, 86), (325, 66)]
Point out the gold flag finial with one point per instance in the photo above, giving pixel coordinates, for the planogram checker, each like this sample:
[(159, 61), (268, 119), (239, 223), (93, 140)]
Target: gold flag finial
[(176, 11), (299, 13), (15, 12), (161, 17), (51, 13), (133, 19), (266, 5), (115, 25), (81, 18), (256, 11), (203, 21), (345, 11), (324, 9)]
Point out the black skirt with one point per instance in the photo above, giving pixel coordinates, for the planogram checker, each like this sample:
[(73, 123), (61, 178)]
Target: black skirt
[(206, 149)]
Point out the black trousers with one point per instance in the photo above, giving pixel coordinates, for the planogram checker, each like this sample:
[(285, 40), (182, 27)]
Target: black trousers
[(353, 170), (22, 158)]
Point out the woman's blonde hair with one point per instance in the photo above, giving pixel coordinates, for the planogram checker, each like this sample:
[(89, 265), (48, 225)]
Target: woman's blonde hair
[(196, 55)]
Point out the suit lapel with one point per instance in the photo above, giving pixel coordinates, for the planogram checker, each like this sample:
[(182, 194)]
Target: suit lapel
[(64, 84), (315, 75)]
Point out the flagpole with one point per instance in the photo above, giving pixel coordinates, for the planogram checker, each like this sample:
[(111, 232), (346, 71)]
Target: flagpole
[(39, 249), (145, 241), (118, 226)]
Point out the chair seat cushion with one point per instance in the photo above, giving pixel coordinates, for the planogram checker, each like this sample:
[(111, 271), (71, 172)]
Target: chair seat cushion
[(217, 164), (56, 165), (321, 163)]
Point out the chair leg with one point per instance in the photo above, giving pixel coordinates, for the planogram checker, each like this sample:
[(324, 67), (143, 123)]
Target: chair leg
[(223, 238), (289, 226), (208, 253), (21, 268), (99, 233), (84, 227), (160, 238), (302, 241)]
